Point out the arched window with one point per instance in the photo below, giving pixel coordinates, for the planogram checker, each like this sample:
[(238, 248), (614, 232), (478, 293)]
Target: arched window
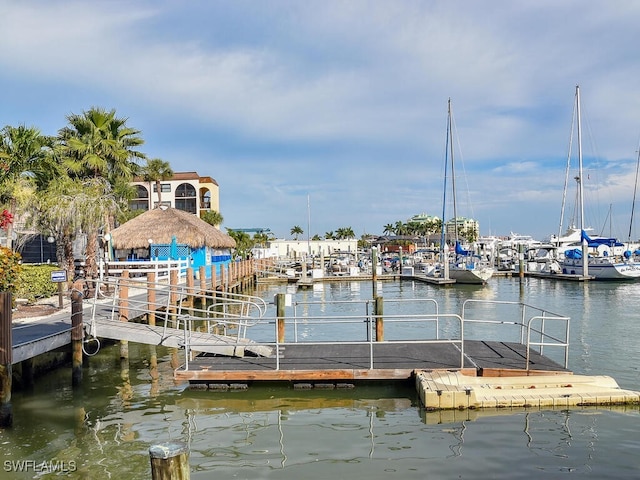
[(141, 202), (186, 198)]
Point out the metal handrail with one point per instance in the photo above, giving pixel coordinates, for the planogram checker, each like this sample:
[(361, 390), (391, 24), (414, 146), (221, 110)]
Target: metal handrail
[(526, 326)]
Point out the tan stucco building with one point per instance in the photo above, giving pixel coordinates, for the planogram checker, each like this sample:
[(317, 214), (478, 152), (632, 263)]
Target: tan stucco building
[(186, 191)]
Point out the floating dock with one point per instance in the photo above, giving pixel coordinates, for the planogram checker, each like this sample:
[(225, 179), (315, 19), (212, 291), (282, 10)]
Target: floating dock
[(442, 390)]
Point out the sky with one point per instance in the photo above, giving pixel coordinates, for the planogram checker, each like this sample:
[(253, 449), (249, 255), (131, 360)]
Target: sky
[(332, 114)]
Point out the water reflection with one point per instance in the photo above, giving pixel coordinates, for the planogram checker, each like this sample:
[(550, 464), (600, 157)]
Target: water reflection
[(374, 432)]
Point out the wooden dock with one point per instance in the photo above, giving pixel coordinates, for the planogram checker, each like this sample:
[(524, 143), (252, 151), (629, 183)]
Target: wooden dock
[(388, 361), (449, 374)]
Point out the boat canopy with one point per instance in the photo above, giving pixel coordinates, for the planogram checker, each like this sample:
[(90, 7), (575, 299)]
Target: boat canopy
[(596, 242), (460, 250)]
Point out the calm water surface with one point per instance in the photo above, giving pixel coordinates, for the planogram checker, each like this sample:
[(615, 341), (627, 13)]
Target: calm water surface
[(104, 429)]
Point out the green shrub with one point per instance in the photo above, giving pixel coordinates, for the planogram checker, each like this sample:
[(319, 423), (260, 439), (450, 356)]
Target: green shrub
[(9, 270), (35, 282)]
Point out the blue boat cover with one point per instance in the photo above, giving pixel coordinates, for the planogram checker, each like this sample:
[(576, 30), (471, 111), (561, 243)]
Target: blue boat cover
[(460, 250), (595, 242), (576, 254)]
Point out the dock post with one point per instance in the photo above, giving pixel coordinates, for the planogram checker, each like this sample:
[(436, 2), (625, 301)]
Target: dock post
[(214, 280), (379, 321), (202, 274), (280, 304), (223, 277), (521, 260), (6, 360), (76, 335), (190, 287), (374, 271), (123, 310), (151, 298), (170, 461)]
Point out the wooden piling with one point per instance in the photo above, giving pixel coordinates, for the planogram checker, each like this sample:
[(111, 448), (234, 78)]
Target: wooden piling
[(170, 461), (280, 313), (374, 271), (214, 280), (151, 298), (77, 335), (202, 275), (123, 310), (6, 360), (379, 306), (223, 283), (190, 287)]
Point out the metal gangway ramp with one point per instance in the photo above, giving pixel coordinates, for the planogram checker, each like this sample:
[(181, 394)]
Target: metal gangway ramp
[(157, 313)]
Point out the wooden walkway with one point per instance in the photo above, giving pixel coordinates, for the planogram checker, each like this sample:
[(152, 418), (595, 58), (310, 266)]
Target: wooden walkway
[(339, 362)]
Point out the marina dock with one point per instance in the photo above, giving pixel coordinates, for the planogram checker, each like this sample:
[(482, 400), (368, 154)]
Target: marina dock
[(234, 341)]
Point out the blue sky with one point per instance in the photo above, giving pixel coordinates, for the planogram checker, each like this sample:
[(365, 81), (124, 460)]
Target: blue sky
[(344, 103)]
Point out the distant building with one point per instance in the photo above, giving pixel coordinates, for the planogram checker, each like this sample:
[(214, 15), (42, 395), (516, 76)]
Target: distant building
[(463, 225), (185, 191), (423, 218), (304, 248)]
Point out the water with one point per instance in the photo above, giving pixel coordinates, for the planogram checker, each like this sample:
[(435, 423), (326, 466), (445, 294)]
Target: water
[(104, 429)]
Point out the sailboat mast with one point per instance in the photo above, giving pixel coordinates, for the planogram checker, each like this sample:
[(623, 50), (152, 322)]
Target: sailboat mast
[(453, 176), (580, 179), (444, 189), (633, 203), (585, 248)]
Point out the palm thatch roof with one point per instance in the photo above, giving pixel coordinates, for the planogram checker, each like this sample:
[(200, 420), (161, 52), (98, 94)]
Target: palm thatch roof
[(161, 225)]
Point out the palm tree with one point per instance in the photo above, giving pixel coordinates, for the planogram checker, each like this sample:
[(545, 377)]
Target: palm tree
[(212, 217), (68, 207), (344, 233), (97, 144), (296, 231), (24, 160), (244, 242), (388, 229), (156, 171)]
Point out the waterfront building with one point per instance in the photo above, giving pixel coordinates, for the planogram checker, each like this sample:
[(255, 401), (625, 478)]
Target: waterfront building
[(186, 191)]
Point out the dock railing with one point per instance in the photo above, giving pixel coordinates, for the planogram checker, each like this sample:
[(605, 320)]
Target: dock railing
[(534, 327), (242, 320), (175, 306)]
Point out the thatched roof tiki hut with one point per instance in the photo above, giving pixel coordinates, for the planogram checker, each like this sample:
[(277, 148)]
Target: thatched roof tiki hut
[(174, 234)]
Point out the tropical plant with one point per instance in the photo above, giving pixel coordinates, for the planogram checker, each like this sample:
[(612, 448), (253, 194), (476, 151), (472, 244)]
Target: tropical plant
[(344, 233), (244, 243), (296, 231), (156, 171), (97, 144), (212, 217), (10, 268), (24, 155), (69, 207)]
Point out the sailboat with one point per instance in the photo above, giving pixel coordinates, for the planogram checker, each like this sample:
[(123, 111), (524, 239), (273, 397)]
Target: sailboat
[(606, 258), (464, 266)]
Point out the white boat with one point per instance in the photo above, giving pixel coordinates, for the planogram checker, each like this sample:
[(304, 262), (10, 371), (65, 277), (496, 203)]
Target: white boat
[(607, 258), (465, 266)]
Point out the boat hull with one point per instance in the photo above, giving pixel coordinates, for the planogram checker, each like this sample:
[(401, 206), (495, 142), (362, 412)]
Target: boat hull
[(603, 269), (475, 276)]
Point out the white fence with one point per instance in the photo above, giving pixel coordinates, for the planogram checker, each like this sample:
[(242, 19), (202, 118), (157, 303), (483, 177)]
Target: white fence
[(141, 268)]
